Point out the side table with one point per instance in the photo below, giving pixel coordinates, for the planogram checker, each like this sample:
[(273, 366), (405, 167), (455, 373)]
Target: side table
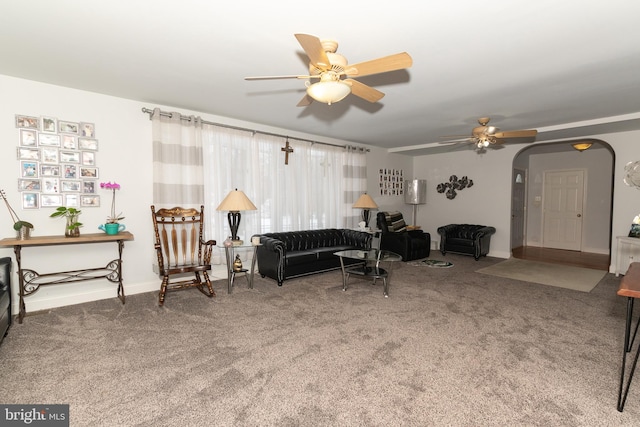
[(628, 247), (230, 256)]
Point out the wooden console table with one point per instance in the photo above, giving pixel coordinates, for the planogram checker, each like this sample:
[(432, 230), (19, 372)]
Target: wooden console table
[(630, 288), (30, 281)]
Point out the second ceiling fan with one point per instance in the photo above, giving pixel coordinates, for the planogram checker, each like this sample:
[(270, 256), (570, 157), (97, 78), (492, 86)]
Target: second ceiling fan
[(335, 76), (485, 136)]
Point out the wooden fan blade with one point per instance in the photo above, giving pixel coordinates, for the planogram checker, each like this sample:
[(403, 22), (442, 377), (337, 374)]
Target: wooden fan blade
[(380, 65), (280, 77), (454, 136), (517, 134), (314, 50), (363, 91), (456, 141), (306, 100)]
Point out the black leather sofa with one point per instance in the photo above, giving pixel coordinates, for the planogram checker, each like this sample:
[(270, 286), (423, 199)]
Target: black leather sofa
[(285, 255), (5, 296), (468, 239), (409, 244)]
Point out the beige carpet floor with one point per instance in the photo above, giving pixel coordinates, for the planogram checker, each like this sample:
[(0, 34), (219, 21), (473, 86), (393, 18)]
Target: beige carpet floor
[(449, 347), (562, 276)]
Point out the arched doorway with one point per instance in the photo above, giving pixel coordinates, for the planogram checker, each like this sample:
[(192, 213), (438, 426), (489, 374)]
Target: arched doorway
[(534, 211)]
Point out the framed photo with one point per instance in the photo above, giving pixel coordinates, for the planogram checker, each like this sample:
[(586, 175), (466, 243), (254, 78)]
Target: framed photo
[(70, 171), (88, 144), (48, 124), (48, 140), (89, 158), (89, 187), (51, 185), (30, 201), (69, 142), (88, 130), (72, 200), (68, 127), (28, 138), (28, 185), (50, 200), (67, 185), (69, 156), (28, 169), (90, 201), (88, 172), (26, 122), (49, 170), (49, 155), (26, 153), (635, 230)]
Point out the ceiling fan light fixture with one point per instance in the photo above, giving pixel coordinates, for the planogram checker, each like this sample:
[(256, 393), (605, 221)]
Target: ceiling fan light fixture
[(582, 146), (329, 89)]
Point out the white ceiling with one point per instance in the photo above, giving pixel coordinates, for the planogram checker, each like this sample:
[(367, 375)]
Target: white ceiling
[(566, 68)]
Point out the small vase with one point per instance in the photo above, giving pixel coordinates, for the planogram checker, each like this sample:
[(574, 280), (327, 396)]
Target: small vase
[(72, 232)]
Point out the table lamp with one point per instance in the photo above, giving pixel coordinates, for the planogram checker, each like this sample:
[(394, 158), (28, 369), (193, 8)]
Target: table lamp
[(365, 202), (235, 202)]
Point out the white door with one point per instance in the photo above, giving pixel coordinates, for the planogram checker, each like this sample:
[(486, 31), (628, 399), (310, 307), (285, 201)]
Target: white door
[(562, 213), (518, 198)]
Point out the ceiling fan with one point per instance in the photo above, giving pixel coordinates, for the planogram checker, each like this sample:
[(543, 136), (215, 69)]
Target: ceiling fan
[(485, 136), (335, 76)]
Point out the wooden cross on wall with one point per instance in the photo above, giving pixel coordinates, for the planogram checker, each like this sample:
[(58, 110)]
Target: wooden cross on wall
[(287, 149)]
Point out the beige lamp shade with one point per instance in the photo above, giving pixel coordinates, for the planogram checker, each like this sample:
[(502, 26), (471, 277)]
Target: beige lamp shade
[(365, 202), (235, 202)]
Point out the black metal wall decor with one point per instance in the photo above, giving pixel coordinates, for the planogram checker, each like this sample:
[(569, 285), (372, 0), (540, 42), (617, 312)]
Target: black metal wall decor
[(450, 188)]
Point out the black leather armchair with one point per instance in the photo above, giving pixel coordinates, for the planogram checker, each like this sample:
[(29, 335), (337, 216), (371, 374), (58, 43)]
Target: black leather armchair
[(410, 244), (468, 239), (5, 296)]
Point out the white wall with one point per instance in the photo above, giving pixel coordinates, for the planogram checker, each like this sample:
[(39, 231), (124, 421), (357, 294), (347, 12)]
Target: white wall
[(489, 200), (124, 156), (377, 159)]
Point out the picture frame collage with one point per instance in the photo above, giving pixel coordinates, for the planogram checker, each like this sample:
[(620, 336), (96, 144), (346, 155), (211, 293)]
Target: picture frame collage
[(391, 182), (57, 161)]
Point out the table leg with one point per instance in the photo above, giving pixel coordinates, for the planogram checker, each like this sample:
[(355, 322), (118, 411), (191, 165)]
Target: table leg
[(628, 344), (344, 275), (253, 266), (21, 307), (120, 287), (229, 255)]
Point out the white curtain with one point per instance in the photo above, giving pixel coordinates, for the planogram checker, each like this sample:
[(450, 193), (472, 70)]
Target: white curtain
[(196, 163), (315, 190), (177, 160)]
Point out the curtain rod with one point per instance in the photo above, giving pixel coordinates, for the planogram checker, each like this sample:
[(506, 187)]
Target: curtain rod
[(188, 118)]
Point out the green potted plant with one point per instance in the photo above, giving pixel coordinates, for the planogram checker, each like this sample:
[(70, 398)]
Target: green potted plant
[(72, 228), (23, 228)]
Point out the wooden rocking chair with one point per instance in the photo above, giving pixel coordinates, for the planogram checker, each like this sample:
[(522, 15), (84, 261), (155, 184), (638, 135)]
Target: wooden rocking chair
[(181, 249)]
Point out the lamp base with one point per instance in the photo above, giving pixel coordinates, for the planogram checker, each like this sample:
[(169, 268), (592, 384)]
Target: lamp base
[(237, 242)]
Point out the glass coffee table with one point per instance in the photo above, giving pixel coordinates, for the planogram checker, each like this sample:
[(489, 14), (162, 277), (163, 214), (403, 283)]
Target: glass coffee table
[(370, 268)]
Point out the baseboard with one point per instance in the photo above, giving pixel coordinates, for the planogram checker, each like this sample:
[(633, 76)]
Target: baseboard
[(91, 294)]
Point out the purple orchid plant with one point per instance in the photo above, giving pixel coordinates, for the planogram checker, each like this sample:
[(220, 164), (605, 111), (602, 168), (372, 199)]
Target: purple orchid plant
[(113, 186)]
